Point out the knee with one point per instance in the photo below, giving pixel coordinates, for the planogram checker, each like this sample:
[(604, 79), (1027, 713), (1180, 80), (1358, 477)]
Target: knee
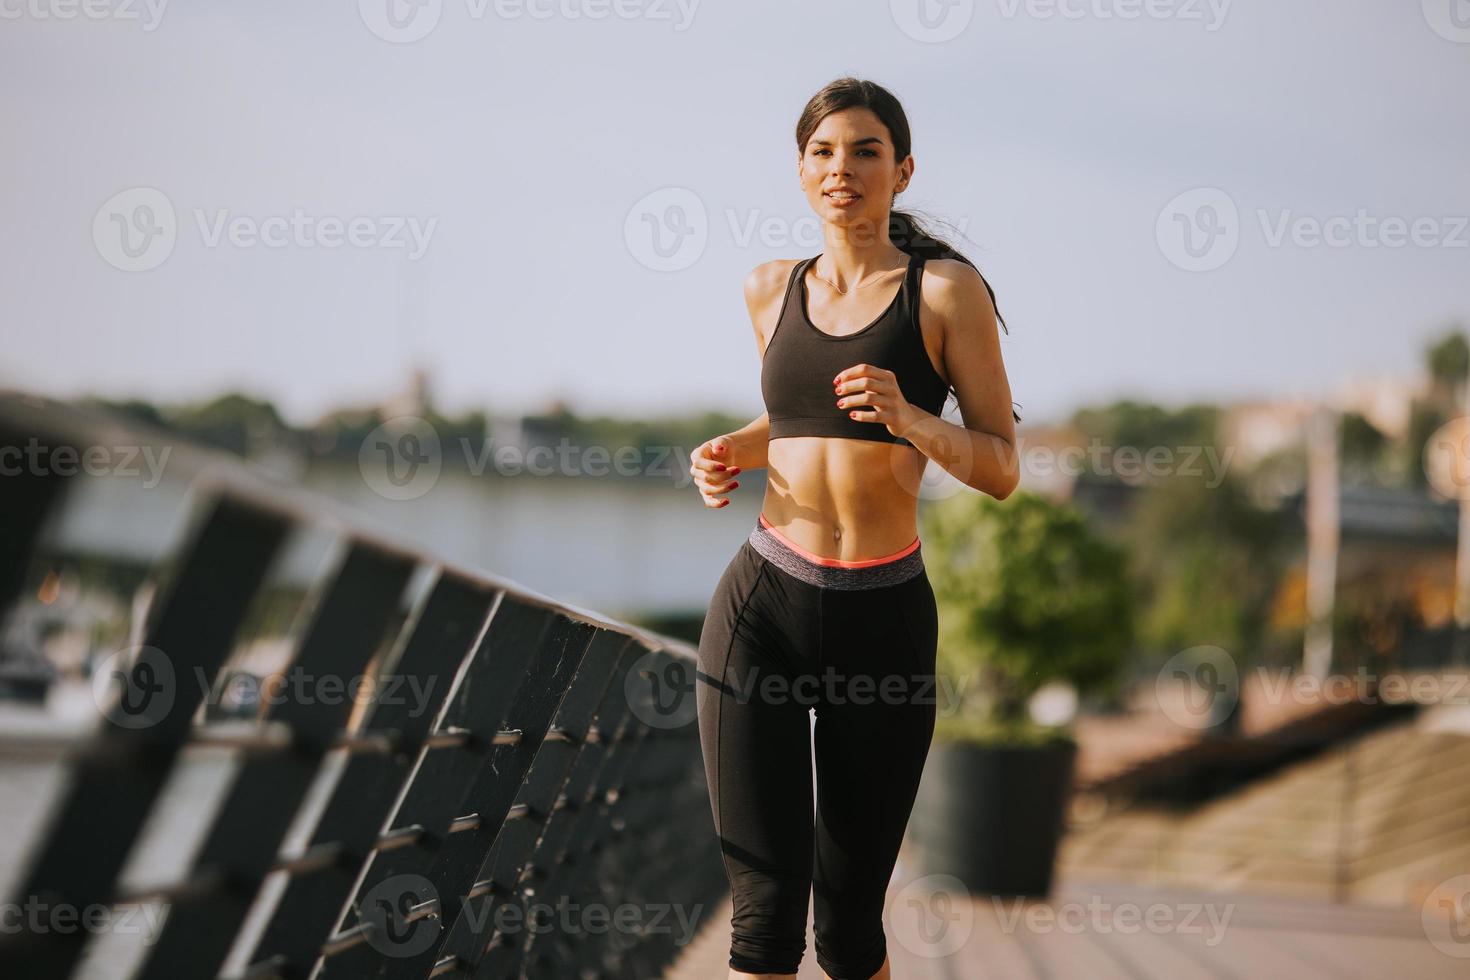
[(851, 955), (757, 951), (768, 925), (762, 963)]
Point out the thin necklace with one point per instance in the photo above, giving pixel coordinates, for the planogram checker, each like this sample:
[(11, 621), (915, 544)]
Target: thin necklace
[(839, 289)]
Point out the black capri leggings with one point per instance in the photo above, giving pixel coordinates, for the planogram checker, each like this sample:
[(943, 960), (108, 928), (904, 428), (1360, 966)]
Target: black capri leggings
[(788, 632)]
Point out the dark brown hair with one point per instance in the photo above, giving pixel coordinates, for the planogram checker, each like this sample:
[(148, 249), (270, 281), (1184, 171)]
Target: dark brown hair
[(904, 228)]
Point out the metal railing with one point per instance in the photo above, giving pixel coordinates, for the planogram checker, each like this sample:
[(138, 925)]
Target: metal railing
[(541, 774)]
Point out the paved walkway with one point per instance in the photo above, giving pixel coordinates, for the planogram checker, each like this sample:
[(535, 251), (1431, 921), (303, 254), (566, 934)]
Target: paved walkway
[(1100, 931)]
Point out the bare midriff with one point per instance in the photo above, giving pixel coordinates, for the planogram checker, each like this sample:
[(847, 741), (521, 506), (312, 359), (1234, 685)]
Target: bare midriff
[(845, 499)]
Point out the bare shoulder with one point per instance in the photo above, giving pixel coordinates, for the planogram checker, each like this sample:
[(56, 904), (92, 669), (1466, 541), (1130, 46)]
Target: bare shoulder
[(765, 285), (956, 291), (768, 280)]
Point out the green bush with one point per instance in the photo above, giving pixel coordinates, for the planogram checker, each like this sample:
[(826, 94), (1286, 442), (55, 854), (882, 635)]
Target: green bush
[(1027, 594)]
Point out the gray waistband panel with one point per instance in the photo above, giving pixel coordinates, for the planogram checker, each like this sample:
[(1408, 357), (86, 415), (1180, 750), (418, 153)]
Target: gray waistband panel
[(798, 566)]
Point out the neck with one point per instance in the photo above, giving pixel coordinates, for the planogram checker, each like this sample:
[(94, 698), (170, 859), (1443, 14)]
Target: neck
[(846, 263)]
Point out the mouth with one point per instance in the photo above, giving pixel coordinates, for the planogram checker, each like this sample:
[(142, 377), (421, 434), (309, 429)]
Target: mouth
[(842, 196)]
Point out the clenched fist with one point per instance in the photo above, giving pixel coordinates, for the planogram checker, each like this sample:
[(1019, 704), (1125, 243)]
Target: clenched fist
[(712, 475)]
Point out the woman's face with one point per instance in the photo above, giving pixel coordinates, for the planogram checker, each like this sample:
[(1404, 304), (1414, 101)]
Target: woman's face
[(849, 173)]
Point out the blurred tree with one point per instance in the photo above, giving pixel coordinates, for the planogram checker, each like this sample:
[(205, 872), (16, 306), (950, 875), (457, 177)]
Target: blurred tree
[(1205, 565), (1362, 448), (232, 421), (1425, 417), (1143, 424), (132, 408), (1448, 360), (1027, 594)]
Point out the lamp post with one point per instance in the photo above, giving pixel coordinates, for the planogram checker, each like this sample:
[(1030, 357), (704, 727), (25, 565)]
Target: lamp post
[(1323, 528)]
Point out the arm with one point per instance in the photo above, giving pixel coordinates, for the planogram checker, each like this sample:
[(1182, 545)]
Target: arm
[(716, 463), (749, 443), (764, 287), (982, 452)]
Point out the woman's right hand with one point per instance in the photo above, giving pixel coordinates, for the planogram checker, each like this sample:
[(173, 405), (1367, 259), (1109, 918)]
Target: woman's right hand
[(714, 473)]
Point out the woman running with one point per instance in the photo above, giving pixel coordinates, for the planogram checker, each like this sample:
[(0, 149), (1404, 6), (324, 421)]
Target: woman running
[(826, 606)]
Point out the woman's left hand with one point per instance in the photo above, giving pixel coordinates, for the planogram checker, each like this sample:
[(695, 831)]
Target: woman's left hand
[(875, 389)]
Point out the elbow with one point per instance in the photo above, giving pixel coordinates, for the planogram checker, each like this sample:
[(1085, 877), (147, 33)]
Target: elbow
[(1000, 489), (1009, 477)]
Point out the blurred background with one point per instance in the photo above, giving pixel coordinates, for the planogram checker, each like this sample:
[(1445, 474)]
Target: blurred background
[(470, 275)]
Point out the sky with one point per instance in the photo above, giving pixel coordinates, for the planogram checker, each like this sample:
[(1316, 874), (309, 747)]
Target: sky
[(560, 199)]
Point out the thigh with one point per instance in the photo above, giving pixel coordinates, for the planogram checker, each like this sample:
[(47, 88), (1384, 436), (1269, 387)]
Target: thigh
[(755, 738), (872, 739)]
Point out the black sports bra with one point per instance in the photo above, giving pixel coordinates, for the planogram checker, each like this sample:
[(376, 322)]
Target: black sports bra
[(800, 362)]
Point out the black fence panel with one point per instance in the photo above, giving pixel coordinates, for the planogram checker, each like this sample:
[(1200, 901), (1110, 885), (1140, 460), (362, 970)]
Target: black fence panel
[(115, 782), (351, 827), (242, 845), (508, 758)]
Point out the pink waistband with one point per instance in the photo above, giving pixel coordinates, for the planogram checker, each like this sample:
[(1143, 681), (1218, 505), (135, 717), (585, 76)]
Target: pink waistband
[(836, 562)]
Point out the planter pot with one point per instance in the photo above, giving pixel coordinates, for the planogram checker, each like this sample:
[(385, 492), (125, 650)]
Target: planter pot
[(992, 815)]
